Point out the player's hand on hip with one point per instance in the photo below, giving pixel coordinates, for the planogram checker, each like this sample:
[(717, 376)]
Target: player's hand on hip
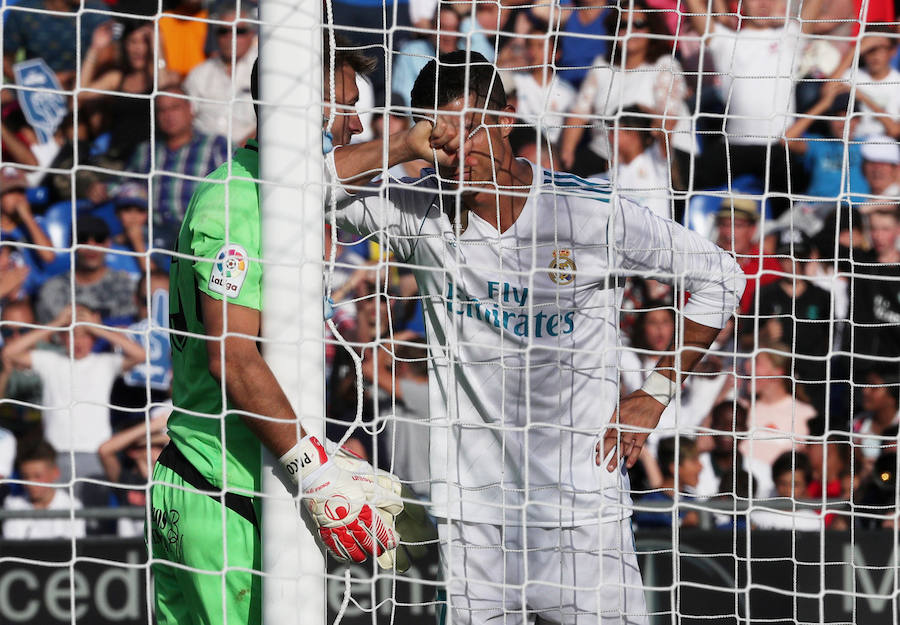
[(628, 430), (352, 504)]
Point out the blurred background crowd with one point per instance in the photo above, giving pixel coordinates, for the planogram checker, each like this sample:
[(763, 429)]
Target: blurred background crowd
[(775, 134)]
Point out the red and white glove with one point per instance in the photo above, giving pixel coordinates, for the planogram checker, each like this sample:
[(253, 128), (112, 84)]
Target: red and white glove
[(352, 504)]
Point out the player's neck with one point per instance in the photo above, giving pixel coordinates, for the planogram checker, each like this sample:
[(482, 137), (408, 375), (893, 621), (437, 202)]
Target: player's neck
[(497, 206)]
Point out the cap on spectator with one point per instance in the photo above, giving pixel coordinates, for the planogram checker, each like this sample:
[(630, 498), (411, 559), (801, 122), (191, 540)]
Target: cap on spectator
[(12, 179), (742, 208), (131, 194), (793, 242), (881, 149), (92, 227)]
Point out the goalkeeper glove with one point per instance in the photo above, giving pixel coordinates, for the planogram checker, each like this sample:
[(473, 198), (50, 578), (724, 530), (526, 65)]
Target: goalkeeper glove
[(351, 503)]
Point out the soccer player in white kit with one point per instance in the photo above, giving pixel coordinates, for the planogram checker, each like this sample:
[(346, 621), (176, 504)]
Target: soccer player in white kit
[(520, 272)]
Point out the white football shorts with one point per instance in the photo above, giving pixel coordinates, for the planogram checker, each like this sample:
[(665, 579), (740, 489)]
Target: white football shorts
[(509, 575)]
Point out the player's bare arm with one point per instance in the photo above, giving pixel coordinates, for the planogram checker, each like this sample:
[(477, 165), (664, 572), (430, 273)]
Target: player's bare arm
[(642, 410), (367, 526), (235, 360)]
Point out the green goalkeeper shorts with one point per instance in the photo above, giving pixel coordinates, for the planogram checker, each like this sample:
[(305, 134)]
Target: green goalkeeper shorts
[(192, 526)]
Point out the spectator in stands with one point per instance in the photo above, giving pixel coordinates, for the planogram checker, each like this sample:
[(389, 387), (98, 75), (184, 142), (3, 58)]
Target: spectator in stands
[(880, 403), (14, 274), (76, 384), (582, 38), (756, 63), (831, 462), (131, 75), (734, 488), (795, 312), (875, 321), (224, 105), (182, 42), (179, 153), (778, 419), (639, 70), (23, 386), (823, 156), (128, 458), (8, 450), (37, 464), (878, 495), (131, 209), (542, 98), (718, 450), (638, 168), (881, 167), (877, 85), (413, 54), (736, 222), (17, 222), (681, 471), (790, 473), (107, 291), (48, 33)]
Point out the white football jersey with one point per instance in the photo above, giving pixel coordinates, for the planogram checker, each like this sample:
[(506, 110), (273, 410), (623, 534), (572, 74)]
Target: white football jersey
[(522, 330)]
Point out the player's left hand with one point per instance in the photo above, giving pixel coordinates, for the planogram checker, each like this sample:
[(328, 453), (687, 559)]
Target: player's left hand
[(628, 430)]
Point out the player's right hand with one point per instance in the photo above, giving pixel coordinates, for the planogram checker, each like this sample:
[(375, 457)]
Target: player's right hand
[(352, 505)]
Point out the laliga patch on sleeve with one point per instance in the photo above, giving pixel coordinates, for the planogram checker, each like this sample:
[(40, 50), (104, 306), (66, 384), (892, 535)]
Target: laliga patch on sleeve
[(229, 270)]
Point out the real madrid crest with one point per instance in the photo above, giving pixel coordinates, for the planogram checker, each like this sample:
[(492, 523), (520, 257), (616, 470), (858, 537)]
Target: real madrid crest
[(563, 266)]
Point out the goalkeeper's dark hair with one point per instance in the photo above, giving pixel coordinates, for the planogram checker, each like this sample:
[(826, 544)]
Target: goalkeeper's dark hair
[(456, 74), (344, 53), (665, 453)]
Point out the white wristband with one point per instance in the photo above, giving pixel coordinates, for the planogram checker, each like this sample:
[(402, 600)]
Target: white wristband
[(660, 388), (303, 458)]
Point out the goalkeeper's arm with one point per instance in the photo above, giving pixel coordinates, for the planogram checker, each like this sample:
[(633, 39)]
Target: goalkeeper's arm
[(360, 529)]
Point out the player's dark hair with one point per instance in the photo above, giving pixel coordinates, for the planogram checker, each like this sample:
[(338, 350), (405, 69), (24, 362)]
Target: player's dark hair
[(344, 53), (665, 453), (791, 461), (454, 75), (38, 450)]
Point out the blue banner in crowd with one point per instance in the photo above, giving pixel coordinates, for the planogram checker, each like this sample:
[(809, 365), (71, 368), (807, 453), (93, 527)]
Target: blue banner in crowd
[(151, 333), (44, 110)]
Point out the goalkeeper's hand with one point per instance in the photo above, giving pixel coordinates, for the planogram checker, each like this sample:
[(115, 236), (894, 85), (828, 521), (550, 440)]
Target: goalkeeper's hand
[(352, 504)]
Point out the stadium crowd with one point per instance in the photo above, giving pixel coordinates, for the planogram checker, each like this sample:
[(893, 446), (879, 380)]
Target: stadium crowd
[(775, 136)]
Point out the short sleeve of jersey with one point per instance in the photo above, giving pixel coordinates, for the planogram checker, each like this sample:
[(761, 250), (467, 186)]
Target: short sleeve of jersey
[(227, 264)]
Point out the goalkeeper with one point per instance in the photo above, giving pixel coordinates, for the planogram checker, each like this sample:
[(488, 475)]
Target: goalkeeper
[(520, 272), (202, 497)]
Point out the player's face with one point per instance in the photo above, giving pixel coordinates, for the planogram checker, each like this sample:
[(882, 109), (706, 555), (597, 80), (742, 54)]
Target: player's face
[(885, 230), (485, 145), (346, 95), (41, 471)]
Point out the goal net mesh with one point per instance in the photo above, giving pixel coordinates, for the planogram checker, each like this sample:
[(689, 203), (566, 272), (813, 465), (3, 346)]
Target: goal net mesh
[(767, 493)]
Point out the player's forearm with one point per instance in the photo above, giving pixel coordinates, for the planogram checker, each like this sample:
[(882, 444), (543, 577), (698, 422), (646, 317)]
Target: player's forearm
[(252, 387), (359, 163), (697, 339)]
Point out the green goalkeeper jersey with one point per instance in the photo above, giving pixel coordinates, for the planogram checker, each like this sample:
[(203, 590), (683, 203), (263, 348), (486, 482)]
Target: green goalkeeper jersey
[(219, 252)]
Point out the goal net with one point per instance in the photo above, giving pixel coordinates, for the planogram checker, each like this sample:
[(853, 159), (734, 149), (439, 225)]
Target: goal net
[(479, 352)]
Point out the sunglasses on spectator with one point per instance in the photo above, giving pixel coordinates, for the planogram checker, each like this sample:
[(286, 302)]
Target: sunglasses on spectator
[(224, 30), (90, 237), (8, 333)]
